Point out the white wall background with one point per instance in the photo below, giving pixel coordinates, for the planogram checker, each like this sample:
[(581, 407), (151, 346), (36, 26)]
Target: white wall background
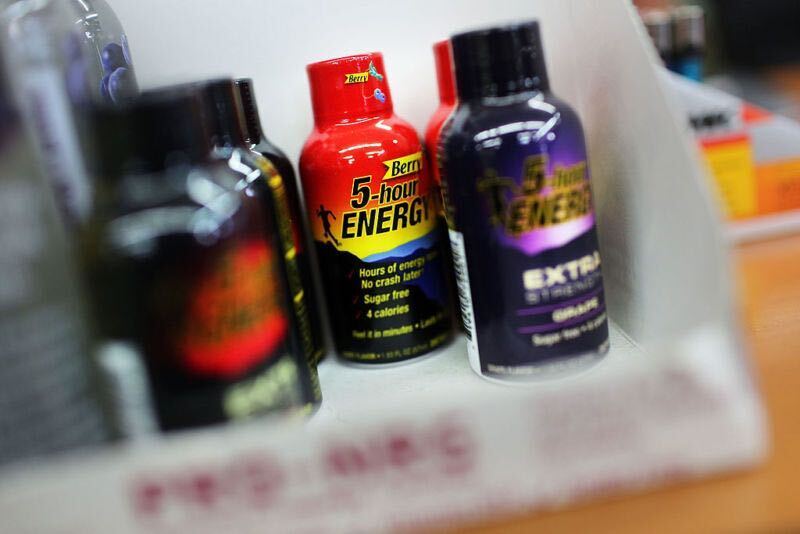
[(664, 265), (273, 40)]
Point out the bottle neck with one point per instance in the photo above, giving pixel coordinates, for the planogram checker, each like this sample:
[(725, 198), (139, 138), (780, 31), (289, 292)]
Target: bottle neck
[(350, 89), (504, 89), (445, 77), (447, 98), (227, 140), (254, 133), (352, 118), (504, 100), (499, 62), (223, 113), (252, 119)]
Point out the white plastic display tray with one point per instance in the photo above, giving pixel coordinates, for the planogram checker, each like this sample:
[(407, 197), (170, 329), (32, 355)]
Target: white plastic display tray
[(419, 445), (764, 227), (348, 388)]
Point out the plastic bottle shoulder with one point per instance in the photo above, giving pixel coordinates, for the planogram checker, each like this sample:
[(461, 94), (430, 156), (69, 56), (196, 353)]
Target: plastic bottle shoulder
[(476, 123), (348, 143)]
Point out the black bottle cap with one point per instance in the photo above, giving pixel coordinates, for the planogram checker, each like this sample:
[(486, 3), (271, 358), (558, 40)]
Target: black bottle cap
[(157, 130), (223, 112), (499, 61), (250, 109)]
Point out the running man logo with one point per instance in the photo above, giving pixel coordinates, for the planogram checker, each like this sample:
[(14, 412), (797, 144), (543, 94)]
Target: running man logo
[(541, 201), (325, 216), (395, 168)]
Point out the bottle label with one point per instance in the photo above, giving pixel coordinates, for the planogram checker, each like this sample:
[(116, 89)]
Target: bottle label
[(534, 294), (465, 297), (379, 235), (235, 318)]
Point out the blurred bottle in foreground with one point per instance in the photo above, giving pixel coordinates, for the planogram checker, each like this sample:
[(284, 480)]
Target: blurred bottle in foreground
[(47, 399), (64, 56), (40, 46), (185, 269), (108, 65)]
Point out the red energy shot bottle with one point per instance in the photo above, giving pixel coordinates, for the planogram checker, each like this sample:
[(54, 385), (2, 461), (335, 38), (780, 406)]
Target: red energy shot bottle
[(434, 134), (374, 216), (445, 78)]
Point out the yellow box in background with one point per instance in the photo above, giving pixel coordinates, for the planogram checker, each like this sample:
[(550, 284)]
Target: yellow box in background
[(732, 164)]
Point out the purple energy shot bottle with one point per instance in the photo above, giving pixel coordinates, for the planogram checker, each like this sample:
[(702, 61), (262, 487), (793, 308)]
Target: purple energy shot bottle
[(520, 212)]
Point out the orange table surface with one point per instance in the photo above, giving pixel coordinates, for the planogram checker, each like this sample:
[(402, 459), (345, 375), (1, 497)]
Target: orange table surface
[(764, 499)]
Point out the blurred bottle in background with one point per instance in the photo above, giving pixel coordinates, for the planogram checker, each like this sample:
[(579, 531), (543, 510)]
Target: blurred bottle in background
[(262, 146), (226, 124), (47, 399), (756, 34), (679, 36), (690, 42), (659, 27)]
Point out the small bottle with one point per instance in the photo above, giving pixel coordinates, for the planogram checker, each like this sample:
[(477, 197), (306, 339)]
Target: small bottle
[(105, 59), (659, 26), (521, 218), (258, 142), (690, 42), (225, 122), (374, 215), (185, 269), (48, 400)]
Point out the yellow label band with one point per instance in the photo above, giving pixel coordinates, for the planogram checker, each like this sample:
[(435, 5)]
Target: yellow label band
[(395, 168), (356, 77)]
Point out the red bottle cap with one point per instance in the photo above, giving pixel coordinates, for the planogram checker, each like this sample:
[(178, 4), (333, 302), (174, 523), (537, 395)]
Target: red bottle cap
[(444, 72), (349, 88)]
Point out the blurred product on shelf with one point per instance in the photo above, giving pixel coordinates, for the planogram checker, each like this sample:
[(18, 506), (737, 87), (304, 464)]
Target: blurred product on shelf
[(679, 35), (374, 215), (753, 155), (446, 82), (66, 55), (106, 58), (258, 143), (184, 269), (690, 41), (47, 399), (520, 211), (43, 54), (759, 34), (659, 27), (225, 123)]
